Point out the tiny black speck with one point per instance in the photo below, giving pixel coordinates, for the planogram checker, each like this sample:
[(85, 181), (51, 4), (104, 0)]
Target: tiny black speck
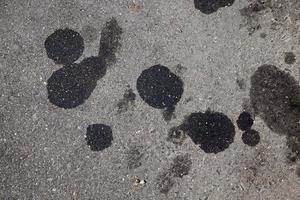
[(244, 121), (251, 137), (159, 87), (99, 137), (289, 57), (213, 131), (64, 46), (210, 6)]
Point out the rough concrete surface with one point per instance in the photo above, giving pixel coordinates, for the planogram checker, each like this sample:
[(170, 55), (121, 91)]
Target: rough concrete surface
[(231, 56)]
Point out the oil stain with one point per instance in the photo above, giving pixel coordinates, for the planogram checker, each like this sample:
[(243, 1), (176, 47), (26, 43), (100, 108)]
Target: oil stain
[(275, 97), (128, 99), (71, 85), (176, 135), (244, 121), (134, 156), (289, 58), (211, 6), (212, 131), (99, 137), (251, 137)]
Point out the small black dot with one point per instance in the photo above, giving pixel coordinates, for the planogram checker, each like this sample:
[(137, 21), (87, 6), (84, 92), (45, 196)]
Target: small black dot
[(244, 121), (159, 87), (210, 6), (213, 131), (251, 137), (289, 57), (64, 46), (99, 137)]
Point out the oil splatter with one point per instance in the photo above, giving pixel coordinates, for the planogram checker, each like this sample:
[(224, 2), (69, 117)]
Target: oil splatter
[(110, 40), (128, 98), (99, 137), (64, 46), (251, 137), (275, 97), (213, 131), (176, 135), (159, 87), (289, 58), (211, 6), (179, 167), (244, 121), (73, 84), (134, 156)]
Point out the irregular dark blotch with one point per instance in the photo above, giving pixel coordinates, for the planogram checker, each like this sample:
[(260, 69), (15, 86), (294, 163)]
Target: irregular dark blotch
[(128, 98), (110, 40), (99, 137), (159, 87), (71, 85), (134, 157), (165, 182), (251, 137), (291, 157), (298, 171), (210, 6), (176, 135), (263, 35), (289, 57), (275, 97), (244, 121), (241, 83), (64, 46), (213, 131), (168, 113), (181, 165), (293, 142)]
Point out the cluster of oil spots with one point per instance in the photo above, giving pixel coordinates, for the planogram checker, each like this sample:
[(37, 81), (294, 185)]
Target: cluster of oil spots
[(275, 97)]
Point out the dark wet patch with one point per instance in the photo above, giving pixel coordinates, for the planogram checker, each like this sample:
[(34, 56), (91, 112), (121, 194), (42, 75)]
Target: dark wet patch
[(275, 97), (211, 6), (64, 46), (71, 85), (298, 171), (263, 35), (241, 84), (134, 157), (159, 87), (99, 137), (251, 137), (289, 58), (176, 135), (244, 121), (164, 182), (89, 33), (110, 40), (181, 165), (128, 99), (212, 131)]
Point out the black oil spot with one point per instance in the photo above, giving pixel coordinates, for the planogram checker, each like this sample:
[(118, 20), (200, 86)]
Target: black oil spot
[(244, 121), (159, 87), (176, 135), (71, 85), (275, 97), (213, 131), (210, 6), (128, 98), (134, 157), (251, 137), (164, 183), (110, 40), (64, 46), (99, 137), (181, 165), (289, 58)]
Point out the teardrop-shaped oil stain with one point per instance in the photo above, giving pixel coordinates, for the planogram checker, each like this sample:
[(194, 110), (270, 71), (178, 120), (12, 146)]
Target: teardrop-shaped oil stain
[(212, 131), (99, 137), (159, 87), (64, 46)]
